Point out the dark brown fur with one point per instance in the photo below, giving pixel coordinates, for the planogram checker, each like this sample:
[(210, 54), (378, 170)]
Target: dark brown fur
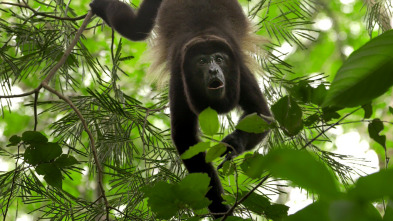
[(181, 25)]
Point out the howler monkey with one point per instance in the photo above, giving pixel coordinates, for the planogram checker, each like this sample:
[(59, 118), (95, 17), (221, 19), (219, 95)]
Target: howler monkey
[(205, 46)]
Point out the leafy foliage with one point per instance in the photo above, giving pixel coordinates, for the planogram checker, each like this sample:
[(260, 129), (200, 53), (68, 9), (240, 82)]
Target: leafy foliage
[(141, 173), (365, 75)]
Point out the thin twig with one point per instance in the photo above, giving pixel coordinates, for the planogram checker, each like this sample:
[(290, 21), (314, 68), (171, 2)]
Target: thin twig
[(69, 49), (22, 95), (44, 84), (92, 142), (333, 125), (35, 110), (12, 185), (35, 13)]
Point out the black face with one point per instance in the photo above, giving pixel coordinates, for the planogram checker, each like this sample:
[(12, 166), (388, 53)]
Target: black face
[(211, 79), (210, 70)]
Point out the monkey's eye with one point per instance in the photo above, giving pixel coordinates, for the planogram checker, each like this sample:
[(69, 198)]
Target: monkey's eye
[(202, 61), (219, 59)]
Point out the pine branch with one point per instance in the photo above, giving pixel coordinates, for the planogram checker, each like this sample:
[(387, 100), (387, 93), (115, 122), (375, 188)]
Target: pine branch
[(35, 13)]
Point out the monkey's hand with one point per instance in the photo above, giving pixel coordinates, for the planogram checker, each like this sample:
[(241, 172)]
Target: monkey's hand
[(235, 146)]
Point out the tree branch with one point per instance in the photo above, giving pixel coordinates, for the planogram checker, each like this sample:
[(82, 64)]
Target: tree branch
[(331, 126), (44, 14), (44, 84)]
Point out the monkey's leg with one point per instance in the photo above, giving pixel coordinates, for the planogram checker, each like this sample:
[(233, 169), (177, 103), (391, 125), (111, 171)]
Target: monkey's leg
[(184, 126)]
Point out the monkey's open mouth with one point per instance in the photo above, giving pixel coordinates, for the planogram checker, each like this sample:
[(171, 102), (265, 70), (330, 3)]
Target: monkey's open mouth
[(215, 84)]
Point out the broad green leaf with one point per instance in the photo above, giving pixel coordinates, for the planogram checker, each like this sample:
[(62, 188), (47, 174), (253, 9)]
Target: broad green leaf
[(309, 213), (374, 128), (14, 140), (301, 168), (192, 190), (346, 210), (33, 137), (233, 218), (215, 152), (253, 123), (330, 113), (368, 110), (374, 186), (252, 165), (52, 174), (228, 168), (208, 120), (318, 95), (162, 199), (42, 153), (261, 206), (365, 75), (389, 211), (255, 202), (196, 149), (301, 90), (44, 168), (276, 212), (65, 161), (166, 199), (391, 110), (310, 120), (288, 113)]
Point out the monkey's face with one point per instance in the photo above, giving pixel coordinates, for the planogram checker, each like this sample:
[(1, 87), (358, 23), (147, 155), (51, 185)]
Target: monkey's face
[(209, 73), (211, 79)]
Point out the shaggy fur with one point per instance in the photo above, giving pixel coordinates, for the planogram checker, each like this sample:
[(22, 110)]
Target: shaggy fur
[(195, 25)]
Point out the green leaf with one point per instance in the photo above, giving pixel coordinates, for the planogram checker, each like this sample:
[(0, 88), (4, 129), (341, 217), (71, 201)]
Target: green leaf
[(162, 199), (276, 212), (44, 168), (33, 137), (301, 90), (391, 110), (353, 211), (215, 152), (251, 165), (14, 140), (192, 190), (389, 211), (208, 120), (374, 186), (288, 113), (365, 75), (52, 174), (310, 120), (196, 149), (166, 199), (65, 161), (318, 95), (255, 203), (233, 218), (374, 128), (253, 123), (330, 113), (42, 153), (368, 110), (309, 212), (301, 168)]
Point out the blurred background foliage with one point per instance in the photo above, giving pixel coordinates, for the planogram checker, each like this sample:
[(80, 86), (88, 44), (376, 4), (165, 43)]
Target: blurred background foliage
[(105, 78)]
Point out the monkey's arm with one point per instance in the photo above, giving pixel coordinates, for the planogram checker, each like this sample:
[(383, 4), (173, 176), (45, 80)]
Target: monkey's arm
[(251, 101), (121, 17)]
